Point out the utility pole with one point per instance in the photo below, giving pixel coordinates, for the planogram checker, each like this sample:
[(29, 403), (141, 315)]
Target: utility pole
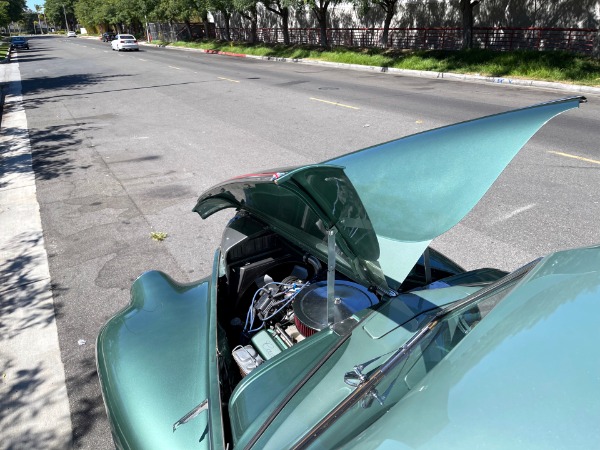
[(147, 29)]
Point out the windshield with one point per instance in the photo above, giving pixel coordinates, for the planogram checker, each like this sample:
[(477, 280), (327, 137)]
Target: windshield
[(401, 371)]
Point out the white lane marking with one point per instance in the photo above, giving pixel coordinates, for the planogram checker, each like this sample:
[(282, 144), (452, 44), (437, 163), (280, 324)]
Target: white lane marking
[(173, 67), (142, 59), (514, 213)]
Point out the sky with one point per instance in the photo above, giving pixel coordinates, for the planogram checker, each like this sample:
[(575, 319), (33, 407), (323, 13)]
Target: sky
[(31, 4)]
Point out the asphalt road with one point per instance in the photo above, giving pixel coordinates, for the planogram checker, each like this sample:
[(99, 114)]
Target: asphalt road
[(123, 144)]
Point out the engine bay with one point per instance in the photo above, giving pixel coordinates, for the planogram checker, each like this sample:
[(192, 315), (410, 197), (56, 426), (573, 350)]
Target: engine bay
[(273, 295)]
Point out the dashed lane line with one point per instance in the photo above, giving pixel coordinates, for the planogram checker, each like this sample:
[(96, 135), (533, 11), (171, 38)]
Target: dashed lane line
[(580, 158), (333, 103)]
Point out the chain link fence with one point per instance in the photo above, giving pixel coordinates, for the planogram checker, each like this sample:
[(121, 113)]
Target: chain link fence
[(173, 32)]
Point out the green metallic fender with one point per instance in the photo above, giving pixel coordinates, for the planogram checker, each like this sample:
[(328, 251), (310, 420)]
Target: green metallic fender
[(157, 361)]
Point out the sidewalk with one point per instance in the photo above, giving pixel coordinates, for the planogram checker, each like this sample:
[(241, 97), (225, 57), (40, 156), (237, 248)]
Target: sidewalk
[(34, 408)]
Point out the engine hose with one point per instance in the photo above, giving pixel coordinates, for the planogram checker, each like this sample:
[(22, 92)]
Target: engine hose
[(315, 263)]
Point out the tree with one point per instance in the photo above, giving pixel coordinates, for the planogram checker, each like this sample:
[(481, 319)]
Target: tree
[(281, 9), (4, 17), (14, 10), (226, 8), (39, 12), (95, 13), (249, 11), (466, 9), (388, 7), (58, 9), (320, 9)]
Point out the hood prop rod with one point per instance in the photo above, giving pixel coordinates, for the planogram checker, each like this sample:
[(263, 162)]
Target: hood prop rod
[(331, 299)]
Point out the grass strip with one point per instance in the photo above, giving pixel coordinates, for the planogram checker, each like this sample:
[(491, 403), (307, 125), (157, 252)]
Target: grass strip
[(557, 66)]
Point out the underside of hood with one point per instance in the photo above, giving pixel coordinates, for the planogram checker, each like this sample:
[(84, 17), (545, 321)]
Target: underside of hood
[(387, 202)]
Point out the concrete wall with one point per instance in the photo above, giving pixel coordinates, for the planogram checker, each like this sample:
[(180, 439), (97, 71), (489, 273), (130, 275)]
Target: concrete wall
[(444, 13)]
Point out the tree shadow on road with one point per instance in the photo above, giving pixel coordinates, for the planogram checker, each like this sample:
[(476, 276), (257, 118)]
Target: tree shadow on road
[(50, 152), (43, 90), (51, 148), (72, 82), (87, 407)]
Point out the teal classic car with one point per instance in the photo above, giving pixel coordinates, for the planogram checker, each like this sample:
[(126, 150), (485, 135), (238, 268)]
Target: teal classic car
[(329, 322)]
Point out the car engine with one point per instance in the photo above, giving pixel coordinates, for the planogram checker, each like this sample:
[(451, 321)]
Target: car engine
[(276, 295), (283, 313)]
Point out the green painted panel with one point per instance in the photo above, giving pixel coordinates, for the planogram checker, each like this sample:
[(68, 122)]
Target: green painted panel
[(526, 376), (156, 360), (418, 187)]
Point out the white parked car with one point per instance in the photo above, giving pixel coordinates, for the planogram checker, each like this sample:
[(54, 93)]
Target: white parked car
[(71, 34), (125, 42)]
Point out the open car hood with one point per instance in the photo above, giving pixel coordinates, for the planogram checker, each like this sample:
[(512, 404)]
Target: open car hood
[(386, 202)]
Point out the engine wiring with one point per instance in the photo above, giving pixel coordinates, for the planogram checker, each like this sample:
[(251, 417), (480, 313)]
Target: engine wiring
[(286, 290)]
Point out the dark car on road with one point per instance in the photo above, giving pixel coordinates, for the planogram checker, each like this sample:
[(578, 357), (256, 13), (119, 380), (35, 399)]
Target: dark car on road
[(108, 36), (19, 42)]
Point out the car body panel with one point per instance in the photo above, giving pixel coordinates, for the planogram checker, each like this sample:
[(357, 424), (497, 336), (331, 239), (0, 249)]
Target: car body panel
[(525, 368), (388, 201), (416, 188), (160, 357), (157, 361), (257, 395)]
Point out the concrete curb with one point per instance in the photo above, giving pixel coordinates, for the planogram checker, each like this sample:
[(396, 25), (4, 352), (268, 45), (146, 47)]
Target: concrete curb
[(444, 75), (406, 72)]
